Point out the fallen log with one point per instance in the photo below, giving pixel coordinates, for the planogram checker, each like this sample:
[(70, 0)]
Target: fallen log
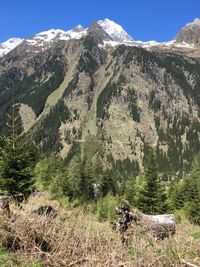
[(161, 226)]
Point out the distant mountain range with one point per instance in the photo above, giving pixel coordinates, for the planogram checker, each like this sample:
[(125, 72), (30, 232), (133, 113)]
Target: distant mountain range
[(188, 37), (97, 90)]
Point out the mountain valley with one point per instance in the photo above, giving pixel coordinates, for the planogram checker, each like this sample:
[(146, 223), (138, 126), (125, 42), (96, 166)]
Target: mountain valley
[(98, 91)]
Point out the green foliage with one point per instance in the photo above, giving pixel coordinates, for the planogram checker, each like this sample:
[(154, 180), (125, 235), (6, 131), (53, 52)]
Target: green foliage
[(105, 209), (134, 110), (92, 147), (52, 175), (47, 133), (195, 234), (9, 259), (35, 264), (151, 197), (154, 103), (124, 168), (38, 97), (5, 258), (16, 160), (84, 181), (104, 98), (16, 166), (89, 42), (45, 170), (173, 161), (113, 89), (89, 182), (192, 211), (80, 185), (36, 94), (176, 194), (185, 194), (59, 185), (120, 50), (87, 63), (108, 183), (192, 194), (31, 89), (177, 66), (164, 163), (10, 87), (135, 113), (71, 86), (130, 190), (196, 169)]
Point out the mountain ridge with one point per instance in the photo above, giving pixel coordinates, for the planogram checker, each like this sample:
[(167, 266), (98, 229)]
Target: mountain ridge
[(190, 33), (117, 34), (90, 95)]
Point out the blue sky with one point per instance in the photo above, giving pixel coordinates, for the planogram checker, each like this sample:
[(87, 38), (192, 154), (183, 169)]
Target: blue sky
[(142, 19)]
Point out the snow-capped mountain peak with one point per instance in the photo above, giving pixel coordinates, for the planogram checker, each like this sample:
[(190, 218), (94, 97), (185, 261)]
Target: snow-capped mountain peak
[(79, 28), (45, 38), (9, 45), (115, 31), (111, 33), (196, 22), (190, 33), (77, 32), (49, 35)]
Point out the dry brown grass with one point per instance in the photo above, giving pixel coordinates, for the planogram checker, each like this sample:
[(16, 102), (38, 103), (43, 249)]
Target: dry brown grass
[(76, 238)]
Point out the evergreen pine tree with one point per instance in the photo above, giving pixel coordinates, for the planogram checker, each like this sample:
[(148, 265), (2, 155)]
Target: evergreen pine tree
[(81, 180), (192, 200), (191, 187), (130, 190), (16, 163), (195, 174), (176, 194), (151, 196), (108, 183), (192, 210), (185, 194), (75, 173)]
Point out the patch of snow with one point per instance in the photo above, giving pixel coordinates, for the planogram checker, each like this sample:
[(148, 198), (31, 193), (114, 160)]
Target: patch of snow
[(150, 44), (115, 31), (170, 43), (119, 36), (147, 44), (9, 45), (77, 32), (184, 45), (115, 43), (196, 22), (100, 46), (43, 38)]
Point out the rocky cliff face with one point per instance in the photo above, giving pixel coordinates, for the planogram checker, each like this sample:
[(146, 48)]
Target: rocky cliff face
[(190, 33), (88, 92)]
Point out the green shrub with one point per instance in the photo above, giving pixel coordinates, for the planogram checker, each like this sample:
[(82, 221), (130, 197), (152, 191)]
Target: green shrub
[(106, 208), (8, 259), (192, 212)]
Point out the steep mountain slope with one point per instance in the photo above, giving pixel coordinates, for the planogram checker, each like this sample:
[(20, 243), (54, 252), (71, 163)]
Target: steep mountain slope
[(190, 33), (98, 91), (116, 32), (9, 45)]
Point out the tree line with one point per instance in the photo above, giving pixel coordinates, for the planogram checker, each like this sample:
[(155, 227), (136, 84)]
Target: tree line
[(86, 181)]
